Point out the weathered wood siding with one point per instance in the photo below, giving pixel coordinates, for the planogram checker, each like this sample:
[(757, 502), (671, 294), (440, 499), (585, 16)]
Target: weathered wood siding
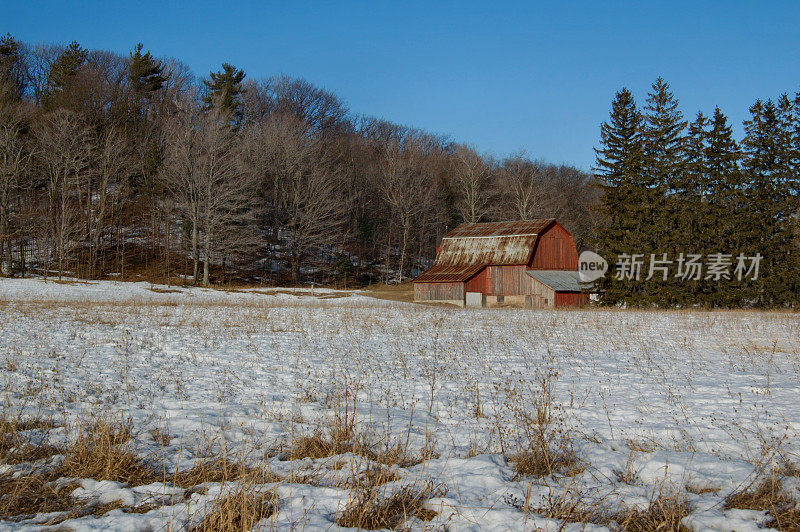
[(555, 250), (541, 295), (508, 280), (439, 292)]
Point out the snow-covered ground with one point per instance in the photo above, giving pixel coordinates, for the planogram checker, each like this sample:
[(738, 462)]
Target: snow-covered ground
[(704, 400)]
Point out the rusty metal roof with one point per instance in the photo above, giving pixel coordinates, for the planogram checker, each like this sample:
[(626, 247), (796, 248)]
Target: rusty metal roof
[(495, 229), (448, 274), (469, 247), (558, 280)]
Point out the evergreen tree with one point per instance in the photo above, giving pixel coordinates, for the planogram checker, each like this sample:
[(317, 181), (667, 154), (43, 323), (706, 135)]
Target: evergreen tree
[(768, 166), (146, 74), (12, 83), (224, 93), (619, 169), (663, 165), (63, 70), (691, 190), (726, 213)]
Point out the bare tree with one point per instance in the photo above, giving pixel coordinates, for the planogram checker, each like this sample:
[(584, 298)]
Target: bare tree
[(407, 188), (38, 61), (293, 165), (321, 110), (64, 152), (211, 192), (470, 183), (14, 162), (521, 185), (107, 185)]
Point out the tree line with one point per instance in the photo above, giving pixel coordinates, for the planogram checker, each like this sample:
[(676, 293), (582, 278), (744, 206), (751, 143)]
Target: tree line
[(678, 194), (128, 164)]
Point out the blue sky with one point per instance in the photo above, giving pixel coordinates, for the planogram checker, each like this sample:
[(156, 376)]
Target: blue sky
[(501, 76)]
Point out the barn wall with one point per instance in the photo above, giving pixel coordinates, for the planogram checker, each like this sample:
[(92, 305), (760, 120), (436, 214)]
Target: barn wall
[(555, 250), (571, 299), (479, 283), (507, 280), (439, 292), (541, 295)]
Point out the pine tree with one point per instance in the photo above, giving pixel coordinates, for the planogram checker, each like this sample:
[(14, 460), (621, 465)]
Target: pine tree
[(619, 169), (726, 214), (146, 74), (768, 167), (663, 166), (224, 93), (11, 80), (691, 191), (63, 70)]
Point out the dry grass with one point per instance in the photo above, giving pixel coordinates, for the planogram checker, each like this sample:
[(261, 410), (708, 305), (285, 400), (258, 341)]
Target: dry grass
[(664, 512), (392, 292), (222, 470), (368, 510), (768, 495), (28, 495), (14, 448), (541, 431), (237, 511), (320, 444), (98, 452)]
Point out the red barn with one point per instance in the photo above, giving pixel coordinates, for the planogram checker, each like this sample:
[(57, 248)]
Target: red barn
[(530, 263)]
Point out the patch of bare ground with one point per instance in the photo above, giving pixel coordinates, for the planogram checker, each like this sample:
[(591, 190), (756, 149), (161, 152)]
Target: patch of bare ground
[(391, 292)]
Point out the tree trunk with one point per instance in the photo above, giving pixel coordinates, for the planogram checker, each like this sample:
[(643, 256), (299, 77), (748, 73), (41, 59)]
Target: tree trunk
[(206, 259), (195, 253), (5, 241)]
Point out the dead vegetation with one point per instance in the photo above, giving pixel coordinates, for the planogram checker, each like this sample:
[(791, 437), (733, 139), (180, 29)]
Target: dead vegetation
[(15, 448), (539, 428), (237, 511), (25, 496), (101, 450), (664, 512), (369, 509), (768, 495), (222, 470)]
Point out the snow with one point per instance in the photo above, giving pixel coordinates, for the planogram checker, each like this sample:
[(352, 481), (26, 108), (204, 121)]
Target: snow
[(703, 399)]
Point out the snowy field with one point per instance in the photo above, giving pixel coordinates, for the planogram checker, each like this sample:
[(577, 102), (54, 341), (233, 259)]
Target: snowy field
[(441, 401)]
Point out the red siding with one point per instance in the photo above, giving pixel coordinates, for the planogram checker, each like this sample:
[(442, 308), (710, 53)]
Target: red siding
[(555, 250), (479, 283), (571, 299)]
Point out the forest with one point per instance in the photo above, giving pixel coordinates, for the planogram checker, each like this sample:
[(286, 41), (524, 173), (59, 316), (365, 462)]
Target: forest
[(674, 189), (129, 165)]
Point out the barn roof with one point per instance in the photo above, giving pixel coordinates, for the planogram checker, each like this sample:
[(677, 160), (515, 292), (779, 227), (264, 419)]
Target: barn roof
[(470, 247), (558, 280)]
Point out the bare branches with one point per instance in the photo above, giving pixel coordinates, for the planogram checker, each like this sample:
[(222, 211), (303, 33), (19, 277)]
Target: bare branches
[(297, 172), (470, 183)]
